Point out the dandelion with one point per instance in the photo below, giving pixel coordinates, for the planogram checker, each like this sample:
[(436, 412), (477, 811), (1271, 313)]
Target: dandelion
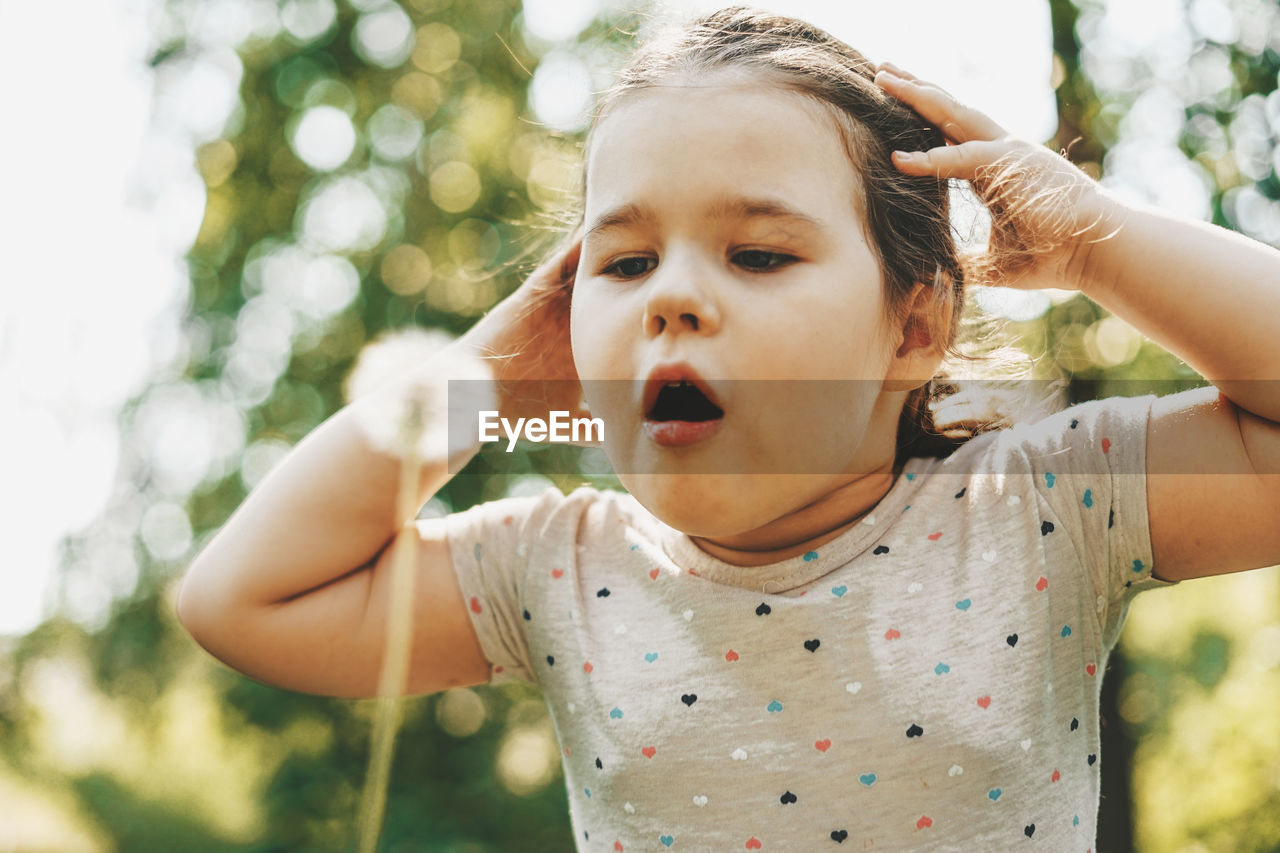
[(401, 389)]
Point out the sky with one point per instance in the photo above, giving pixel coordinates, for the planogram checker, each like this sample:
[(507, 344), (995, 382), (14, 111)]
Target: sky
[(104, 156), (81, 324)]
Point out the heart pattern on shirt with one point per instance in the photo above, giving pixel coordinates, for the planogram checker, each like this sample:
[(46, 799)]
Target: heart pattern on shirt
[(862, 595)]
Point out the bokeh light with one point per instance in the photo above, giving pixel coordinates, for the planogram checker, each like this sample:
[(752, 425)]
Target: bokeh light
[(384, 36), (394, 132), (437, 48), (455, 186), (324, 138), (308, 20), (406, 269)]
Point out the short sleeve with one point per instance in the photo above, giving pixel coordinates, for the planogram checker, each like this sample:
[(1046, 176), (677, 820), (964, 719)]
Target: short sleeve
[(489, 544), (1089, 465)]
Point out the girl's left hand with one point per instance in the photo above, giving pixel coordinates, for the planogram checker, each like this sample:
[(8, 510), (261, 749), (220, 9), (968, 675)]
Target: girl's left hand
[(1046, 213)]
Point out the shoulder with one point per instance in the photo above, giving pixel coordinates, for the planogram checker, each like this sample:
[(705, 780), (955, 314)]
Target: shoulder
[(1106, 430), (583, 509)]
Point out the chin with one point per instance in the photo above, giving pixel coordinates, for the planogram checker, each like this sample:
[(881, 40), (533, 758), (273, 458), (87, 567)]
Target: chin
[(716, 505)]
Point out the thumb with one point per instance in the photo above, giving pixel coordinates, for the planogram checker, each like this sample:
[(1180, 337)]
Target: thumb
[(593, 435)]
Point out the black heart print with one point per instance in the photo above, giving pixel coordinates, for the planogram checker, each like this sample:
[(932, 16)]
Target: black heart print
[(881, 549), (689, 699), (812, 645), (914, 731), (788, 798), (764, 610)]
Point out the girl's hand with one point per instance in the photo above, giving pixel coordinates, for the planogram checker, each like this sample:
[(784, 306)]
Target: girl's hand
[(525, 338), (1046, 213)]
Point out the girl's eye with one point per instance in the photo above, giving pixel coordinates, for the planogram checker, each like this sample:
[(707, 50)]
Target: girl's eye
[(762, 255), (756, 260), (631, 271)]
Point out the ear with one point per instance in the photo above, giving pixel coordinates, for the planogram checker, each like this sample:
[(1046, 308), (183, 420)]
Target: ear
[(915, 356)]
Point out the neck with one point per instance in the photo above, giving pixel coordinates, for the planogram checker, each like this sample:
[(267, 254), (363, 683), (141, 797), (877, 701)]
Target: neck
[(808, 527)]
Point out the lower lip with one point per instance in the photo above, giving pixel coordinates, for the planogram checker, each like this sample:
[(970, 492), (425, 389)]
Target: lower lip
[(676, 433)]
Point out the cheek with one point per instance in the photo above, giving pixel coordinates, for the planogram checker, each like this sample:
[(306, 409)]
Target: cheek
[(595, 334)]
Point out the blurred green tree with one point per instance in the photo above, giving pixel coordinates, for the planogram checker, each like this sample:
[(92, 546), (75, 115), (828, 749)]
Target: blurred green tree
[(382, 172)]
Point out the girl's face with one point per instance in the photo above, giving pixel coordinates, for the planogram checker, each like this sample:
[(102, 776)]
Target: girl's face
[(689, 266)]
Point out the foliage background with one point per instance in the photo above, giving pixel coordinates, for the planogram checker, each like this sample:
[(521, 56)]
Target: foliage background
[(130, 737)]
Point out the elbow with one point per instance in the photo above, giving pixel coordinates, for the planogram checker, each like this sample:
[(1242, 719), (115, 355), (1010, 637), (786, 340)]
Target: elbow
[(192, 604), (184, 608)]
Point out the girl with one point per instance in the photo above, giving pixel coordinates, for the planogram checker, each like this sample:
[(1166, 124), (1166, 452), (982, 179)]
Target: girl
[(799, 629)]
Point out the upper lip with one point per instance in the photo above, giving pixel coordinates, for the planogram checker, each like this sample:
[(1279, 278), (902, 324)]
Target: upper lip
[(664, 374)]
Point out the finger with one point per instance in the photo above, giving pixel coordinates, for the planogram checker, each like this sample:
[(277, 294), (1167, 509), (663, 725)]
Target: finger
[(573, 254), (958, 122), (893, 69), (951, 161)]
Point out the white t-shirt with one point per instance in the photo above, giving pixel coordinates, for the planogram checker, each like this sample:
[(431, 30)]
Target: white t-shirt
[(928, 680)]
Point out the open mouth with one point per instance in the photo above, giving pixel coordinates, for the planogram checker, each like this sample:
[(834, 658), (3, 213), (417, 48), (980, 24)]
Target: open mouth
[(683, 401), (682, 414)]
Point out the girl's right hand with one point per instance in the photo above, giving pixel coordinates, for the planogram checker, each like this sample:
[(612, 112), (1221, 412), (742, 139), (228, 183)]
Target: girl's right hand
[(525, 339)]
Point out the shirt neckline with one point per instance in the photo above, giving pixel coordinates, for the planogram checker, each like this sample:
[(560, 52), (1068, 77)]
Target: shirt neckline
[(784, 575)]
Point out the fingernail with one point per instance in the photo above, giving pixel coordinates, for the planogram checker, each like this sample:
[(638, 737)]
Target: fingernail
[(905, 155)]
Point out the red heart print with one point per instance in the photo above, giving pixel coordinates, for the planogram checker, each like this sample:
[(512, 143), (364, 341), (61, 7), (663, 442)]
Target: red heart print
[(568, 751), (695, 574), (753, 843), (924, 822), (731, 656), (935, 536), (892, 634), (1091, 669), (587, 667), (1106, 445), (653, 574), (506, 520), (557, 573), (475, 604), (985, 702), (617, 845), (1042, 583), (1056, 776), (649, 751), (823, 745)]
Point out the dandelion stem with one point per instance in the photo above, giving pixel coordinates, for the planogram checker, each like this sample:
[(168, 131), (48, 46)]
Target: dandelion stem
[(395, 661)]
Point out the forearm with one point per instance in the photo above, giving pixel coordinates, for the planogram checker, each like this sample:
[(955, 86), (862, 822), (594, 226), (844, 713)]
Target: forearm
[(329, 508), (1206, 294)]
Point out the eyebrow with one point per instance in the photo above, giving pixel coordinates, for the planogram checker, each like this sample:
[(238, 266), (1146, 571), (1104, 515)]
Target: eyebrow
[(730, 207)]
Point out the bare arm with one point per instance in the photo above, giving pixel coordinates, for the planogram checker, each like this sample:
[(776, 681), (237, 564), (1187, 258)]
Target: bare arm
[(293, 589)]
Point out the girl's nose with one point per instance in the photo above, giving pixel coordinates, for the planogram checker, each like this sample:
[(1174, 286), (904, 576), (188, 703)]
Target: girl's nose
[(676, 303)]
